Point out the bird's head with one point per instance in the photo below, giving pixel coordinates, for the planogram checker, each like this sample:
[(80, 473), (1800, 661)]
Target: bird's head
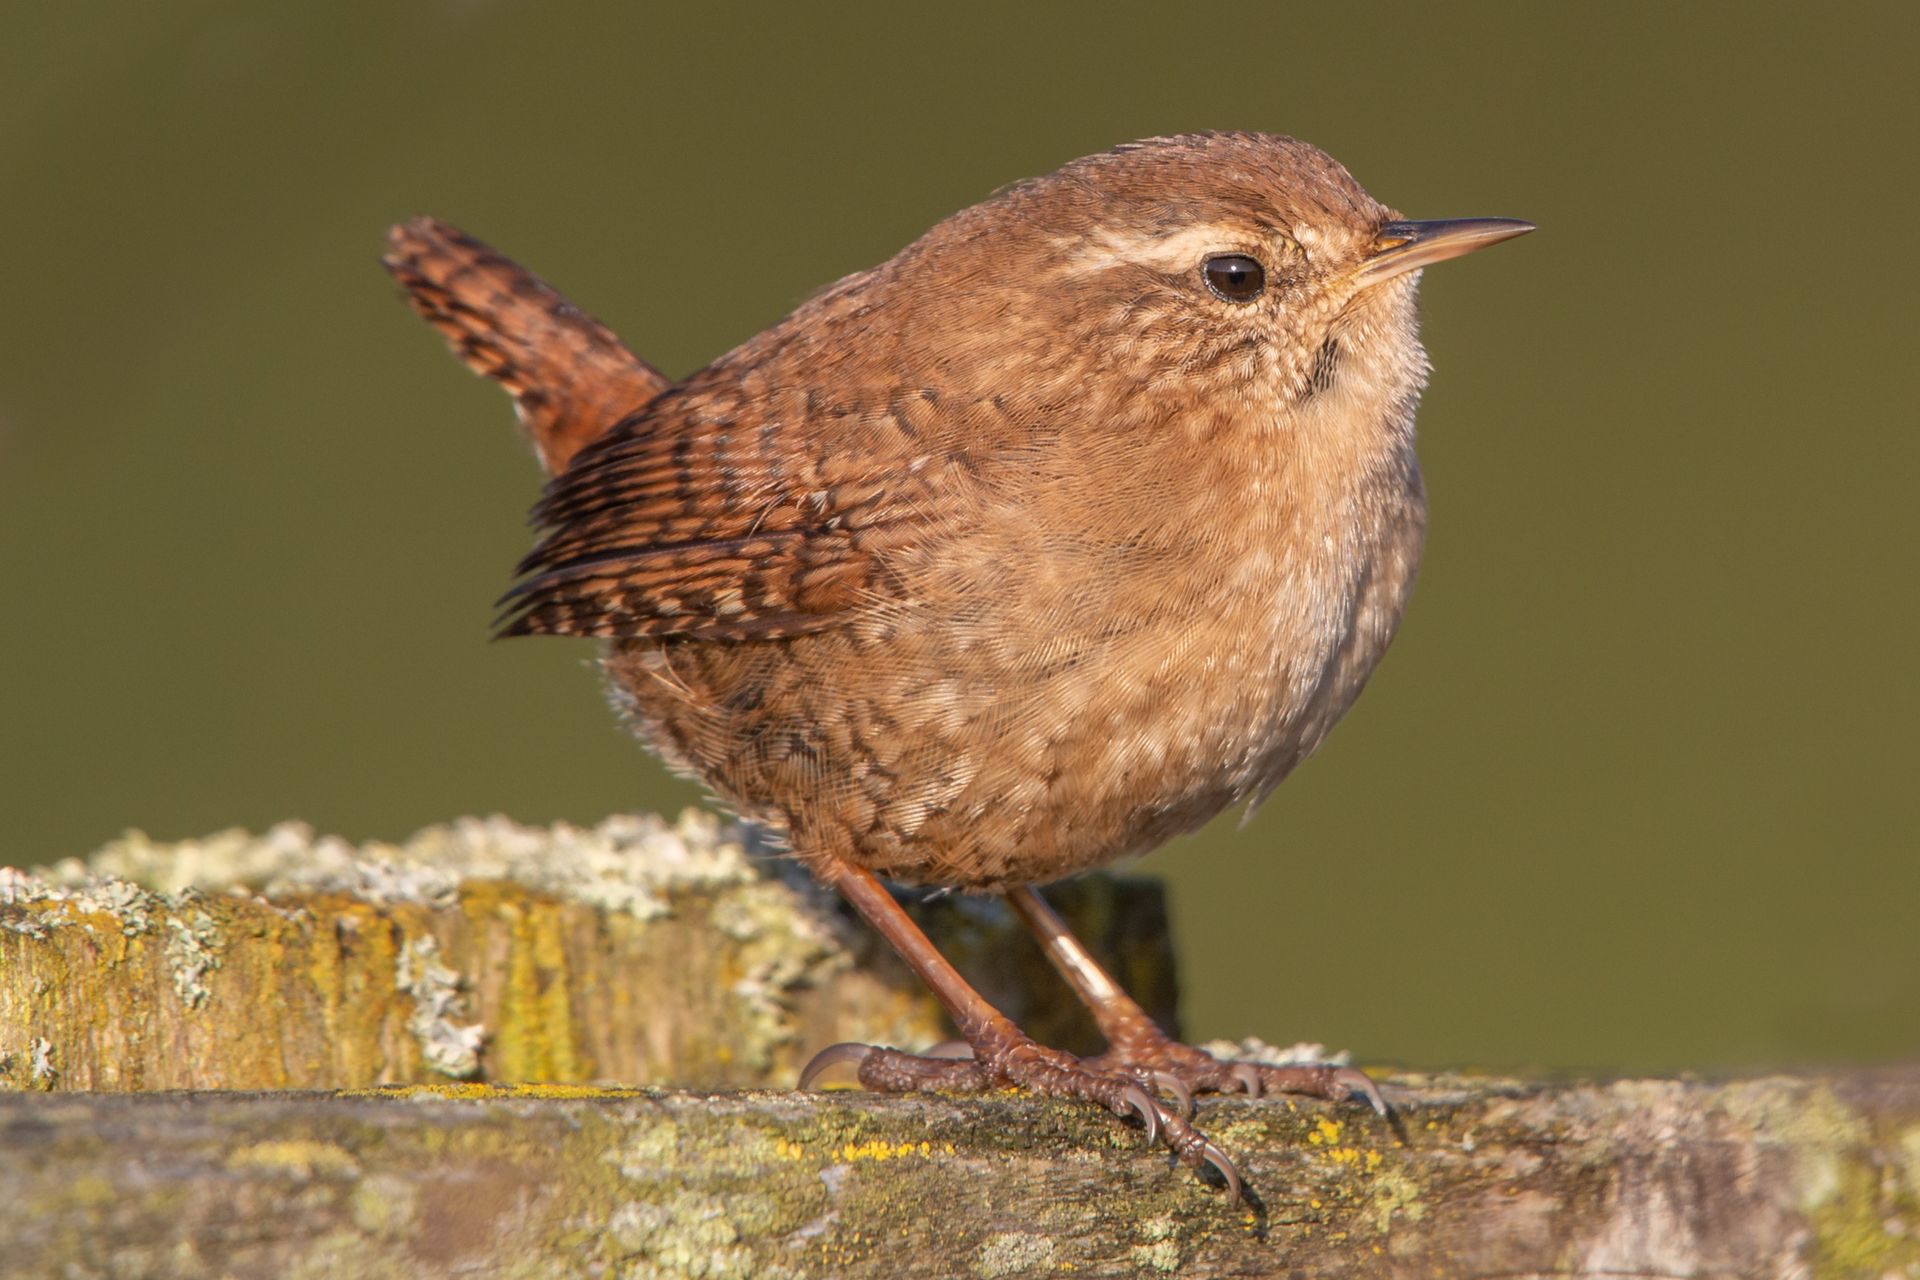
[(1240, 265)]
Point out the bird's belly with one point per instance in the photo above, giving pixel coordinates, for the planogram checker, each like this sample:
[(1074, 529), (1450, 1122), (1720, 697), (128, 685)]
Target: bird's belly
[(995, 751), (1152, 733), (1208, 712)]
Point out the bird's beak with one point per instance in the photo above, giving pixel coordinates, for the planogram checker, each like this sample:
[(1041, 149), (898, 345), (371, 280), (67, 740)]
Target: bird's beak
[(1400, 247)]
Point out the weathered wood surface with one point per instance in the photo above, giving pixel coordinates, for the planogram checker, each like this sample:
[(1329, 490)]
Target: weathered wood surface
[(636, 952), (641, 952), (1760, 1178)]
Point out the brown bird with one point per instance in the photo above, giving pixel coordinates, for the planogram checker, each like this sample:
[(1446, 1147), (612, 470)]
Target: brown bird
[(1076, 522)]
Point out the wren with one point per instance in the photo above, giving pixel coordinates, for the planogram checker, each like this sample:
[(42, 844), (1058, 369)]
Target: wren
[(1074, 523)]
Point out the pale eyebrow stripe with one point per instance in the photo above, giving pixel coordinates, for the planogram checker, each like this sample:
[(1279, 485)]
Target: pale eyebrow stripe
[(1176, 252)]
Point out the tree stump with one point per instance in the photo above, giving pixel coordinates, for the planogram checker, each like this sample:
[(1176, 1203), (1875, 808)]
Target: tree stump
[(636, 952)]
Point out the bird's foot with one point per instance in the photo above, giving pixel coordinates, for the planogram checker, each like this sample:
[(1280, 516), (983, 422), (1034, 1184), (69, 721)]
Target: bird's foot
[(1183, 1069), (1002, 1059)]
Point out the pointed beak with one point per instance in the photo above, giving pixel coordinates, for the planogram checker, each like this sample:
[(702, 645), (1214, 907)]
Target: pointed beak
[(1401, 247)]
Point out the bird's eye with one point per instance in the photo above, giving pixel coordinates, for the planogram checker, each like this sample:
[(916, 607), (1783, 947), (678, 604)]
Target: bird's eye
[(1234, 276)]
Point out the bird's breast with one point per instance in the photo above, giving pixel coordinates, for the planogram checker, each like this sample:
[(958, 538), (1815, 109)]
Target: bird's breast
[(1098, 654), (1175, 648)]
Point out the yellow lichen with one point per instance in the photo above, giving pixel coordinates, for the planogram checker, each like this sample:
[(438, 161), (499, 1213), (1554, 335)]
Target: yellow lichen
[(881, 1150), (92, 1190), (301, 1158), (475, 1091)]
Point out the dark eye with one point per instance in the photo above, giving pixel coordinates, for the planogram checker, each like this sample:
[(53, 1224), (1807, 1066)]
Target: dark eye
[(1234, 276)]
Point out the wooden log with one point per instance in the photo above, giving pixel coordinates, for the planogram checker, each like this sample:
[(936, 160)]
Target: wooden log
[(637, 952), (1772, 1177), (644, 952)]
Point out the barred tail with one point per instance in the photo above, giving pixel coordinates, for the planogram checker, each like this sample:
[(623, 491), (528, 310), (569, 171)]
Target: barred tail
[(570, 378)]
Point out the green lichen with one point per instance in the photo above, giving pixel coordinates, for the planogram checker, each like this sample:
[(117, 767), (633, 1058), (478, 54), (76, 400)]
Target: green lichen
[(1162, 1255), (193, 951), (1907, 1151), (1158, 1229), (1012, 1253), (40, 1065), (1794, 1112), (784, 942), (385, 1205), (33, 905), (1254, 1049), (448, 1044), (1869, 1225), (1805, 1117), (625, 864), (690, 1234), (1394, 1194)]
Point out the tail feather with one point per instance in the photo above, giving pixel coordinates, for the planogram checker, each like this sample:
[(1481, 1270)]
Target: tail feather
[(570, 378)]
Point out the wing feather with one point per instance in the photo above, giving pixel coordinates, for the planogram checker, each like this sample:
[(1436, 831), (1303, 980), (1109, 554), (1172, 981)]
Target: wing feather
[(721, 515)]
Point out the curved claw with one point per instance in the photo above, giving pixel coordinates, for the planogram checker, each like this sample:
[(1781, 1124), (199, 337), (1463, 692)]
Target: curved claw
[(1147, 1109), (1174, 1085), (1249, 1077), (1218, 1159), (954, 1049), (1357, 1081), (832, 1056)]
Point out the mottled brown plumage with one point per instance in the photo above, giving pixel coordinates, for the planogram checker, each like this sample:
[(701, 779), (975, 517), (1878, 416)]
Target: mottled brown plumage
[(569, 377), (1021, 552)]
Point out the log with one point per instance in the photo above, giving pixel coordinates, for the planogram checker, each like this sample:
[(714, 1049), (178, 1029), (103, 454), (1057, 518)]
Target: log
[(1777, 1177), (285, 1055), (636, 952)]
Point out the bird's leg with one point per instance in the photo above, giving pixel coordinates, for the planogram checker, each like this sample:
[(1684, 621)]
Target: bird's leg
[(1002, 1054), (1134, 1041)]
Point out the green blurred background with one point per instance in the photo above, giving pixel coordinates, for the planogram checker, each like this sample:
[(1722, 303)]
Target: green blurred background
[(1634, 789)]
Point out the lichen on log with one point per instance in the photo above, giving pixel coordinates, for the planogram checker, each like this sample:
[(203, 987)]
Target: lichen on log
[(1758, 1178), (635, 952), (650, 953)]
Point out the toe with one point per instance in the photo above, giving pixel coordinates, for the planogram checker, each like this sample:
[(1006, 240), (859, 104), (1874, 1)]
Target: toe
[(1174, 1085), (1248, 1076), (1137, 1100), (1218, 1159), (1356, 1081), (832, 1056)]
